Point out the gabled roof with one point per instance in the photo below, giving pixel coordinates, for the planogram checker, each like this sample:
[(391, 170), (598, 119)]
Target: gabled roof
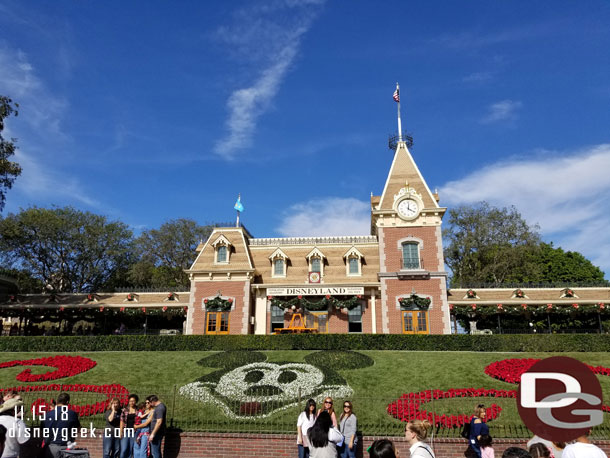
[(353, 251), (404, 172), (278, 254), (315, 252)]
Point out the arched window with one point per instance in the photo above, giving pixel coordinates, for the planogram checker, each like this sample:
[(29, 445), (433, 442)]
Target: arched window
[(410, 255)]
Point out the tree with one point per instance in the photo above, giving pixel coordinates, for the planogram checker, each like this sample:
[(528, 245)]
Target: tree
[(67, 249), (164, 253), (558, 266), (9, 170), (485, 244)]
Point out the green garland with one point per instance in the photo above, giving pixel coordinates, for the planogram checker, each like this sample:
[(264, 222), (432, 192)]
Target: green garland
[(218, 304), (414, 302), (523, 309), (324, 303), (64, 312)]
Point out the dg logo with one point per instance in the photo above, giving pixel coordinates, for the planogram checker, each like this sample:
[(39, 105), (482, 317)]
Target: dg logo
[(560, 399)]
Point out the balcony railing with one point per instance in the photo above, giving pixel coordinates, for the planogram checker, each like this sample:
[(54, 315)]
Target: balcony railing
[(412, 264)]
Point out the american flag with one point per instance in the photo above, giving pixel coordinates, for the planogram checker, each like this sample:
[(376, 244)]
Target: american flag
[(396, 95)]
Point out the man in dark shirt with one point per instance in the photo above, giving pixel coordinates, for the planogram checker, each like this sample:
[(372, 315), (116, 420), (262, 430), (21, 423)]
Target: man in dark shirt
[(157, 426), (60, 423)]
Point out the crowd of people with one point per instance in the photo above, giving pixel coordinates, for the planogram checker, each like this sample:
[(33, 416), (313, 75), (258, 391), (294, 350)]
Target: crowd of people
[(321, 435), (133, 431)]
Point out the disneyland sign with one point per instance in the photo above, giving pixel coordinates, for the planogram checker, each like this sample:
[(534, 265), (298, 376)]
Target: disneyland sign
[(316, 291)]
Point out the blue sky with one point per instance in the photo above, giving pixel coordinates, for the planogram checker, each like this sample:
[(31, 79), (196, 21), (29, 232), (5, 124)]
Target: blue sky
[(149, 111)]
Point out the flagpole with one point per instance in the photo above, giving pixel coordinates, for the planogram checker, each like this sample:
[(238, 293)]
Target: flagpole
[(237, 223), (399, 122), (236, 208)]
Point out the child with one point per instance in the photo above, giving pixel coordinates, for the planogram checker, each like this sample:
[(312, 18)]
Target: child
[(487, 450)]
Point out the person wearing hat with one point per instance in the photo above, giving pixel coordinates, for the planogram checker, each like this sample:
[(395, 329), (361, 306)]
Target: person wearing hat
[(17, 431)]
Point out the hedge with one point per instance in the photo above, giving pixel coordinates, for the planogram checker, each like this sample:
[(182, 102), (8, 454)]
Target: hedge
[(505, 342)]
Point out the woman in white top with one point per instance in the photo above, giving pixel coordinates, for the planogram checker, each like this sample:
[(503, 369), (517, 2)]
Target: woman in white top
[(323, 438), (415, 433), (305, 421)]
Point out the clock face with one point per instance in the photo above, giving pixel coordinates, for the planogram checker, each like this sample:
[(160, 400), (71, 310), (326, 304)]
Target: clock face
[(408, 208)]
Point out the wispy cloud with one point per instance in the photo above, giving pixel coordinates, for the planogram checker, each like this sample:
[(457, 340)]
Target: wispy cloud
[(504, 110), (38, 130), (327, 216), (477, 77), (18, 79), (566, 194), (267, 36)]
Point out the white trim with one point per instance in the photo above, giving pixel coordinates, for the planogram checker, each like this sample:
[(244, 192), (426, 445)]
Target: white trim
[(221, 240)]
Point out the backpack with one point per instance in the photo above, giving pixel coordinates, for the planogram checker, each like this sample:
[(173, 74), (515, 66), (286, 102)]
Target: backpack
[(465, 433)]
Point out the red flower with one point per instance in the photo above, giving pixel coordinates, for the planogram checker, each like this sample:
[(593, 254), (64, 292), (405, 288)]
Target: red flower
[(474, 306), (143, 309), (61, 309), (186, 309), (67, 366), (549, 306), (575, 306), (122, 309), (328, 296), (450, 306), (299, 297), (102, 308), (165, 308), (170, 295), (269, 297), (524, 306), (205, 301), (409, 405), (130, 297), (500, 307), (359, 296), (230, 301)]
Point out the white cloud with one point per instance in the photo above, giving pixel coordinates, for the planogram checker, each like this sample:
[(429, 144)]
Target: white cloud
[(18, 79), (263, 36), (505, 110), (567, 195), (331, 216), (38, 131)]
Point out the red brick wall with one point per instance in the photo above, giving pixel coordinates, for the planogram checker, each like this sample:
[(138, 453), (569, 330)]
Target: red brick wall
[(393, 253), (233, 289), (429, 288), (395, 288), (230, 445)]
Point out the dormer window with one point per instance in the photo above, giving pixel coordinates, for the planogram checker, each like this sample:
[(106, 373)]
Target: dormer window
[(222, 250), (279, 268), (221, 254), (353, 262), (278, 263), (316, 262)]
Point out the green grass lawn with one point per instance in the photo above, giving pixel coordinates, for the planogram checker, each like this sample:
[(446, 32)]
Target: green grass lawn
[(392, 374)]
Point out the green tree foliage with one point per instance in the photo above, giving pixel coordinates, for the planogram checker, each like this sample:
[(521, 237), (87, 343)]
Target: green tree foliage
[(9, 170), (558, 266), (485, 244), (66, 249), (164, 253), (489, 244), (26, 283)]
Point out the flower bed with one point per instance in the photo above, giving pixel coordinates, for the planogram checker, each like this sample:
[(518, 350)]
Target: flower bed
[(408, 406), (67, 366)]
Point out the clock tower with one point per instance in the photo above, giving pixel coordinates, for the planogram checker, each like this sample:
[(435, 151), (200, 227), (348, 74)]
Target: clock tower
[(407, 221)]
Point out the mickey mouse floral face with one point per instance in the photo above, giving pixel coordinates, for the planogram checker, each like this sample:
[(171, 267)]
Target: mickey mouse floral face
[(258, 389)]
